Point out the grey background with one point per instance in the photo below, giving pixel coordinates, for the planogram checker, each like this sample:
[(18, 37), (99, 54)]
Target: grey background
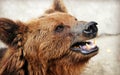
[(105, 12)]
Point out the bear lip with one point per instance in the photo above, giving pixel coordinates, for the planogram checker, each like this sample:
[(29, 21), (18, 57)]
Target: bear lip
[(85, 47)]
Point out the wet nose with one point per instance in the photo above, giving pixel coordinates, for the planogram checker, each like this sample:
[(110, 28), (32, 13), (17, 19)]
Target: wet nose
[(90, 29)]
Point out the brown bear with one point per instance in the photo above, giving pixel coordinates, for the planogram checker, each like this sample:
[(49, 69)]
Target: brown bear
[(54, 44)]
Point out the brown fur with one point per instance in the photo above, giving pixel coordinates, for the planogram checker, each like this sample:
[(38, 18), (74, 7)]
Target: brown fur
[(34, 48)]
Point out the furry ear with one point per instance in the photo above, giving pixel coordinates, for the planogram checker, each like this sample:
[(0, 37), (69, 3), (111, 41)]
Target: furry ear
[(8, 30), (58, 5)]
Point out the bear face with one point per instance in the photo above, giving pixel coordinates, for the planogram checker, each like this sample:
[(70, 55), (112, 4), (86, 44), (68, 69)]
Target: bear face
[(53, 44), (58, 32), (61, 33)]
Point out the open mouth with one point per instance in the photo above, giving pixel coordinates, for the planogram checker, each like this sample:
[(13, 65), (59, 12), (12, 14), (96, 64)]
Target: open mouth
[(85, 47)]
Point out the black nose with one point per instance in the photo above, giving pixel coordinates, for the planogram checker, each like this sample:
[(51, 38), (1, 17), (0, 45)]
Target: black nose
[(91, 29)]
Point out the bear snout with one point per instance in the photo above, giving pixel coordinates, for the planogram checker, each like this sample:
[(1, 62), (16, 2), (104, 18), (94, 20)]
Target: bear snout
[(90, 30)]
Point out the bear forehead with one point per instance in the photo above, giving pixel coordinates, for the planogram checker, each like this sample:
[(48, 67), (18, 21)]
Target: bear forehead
[(52, 20)]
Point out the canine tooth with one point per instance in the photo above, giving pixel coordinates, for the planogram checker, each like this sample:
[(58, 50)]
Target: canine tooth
[(88, 46), (94, 41)]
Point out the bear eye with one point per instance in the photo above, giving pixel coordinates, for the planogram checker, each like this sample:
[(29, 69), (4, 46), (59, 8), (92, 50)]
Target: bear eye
[(59, 28)]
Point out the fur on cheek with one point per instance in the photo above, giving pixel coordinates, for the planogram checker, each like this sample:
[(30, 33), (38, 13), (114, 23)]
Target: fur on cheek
[(53, 49)]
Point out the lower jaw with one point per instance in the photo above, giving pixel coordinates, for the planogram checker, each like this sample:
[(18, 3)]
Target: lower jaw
[(90, 55), (79, 58)]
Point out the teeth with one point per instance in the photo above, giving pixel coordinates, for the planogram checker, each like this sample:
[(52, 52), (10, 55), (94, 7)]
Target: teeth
[(94, 41), (88, 46), (91, 45), (77, 47)]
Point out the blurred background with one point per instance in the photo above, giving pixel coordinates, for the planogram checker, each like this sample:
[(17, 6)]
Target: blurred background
[(105, 12)]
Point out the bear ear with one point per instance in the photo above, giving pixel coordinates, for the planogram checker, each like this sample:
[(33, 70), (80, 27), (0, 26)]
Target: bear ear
[(8, 30), (58, 5)]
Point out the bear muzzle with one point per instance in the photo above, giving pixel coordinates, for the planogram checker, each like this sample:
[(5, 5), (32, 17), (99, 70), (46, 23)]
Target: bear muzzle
[(82, 33)]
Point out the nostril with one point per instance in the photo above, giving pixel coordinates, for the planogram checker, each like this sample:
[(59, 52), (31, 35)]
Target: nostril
[(91, 29)]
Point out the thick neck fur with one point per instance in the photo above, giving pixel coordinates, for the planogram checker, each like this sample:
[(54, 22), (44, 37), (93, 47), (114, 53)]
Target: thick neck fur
[(16, 64), (65, 66)]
